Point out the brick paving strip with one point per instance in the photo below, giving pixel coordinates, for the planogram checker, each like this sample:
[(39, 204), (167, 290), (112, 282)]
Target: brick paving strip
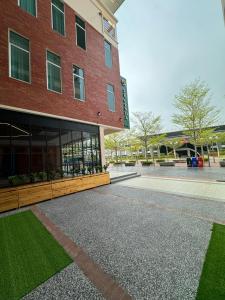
[(104, 283)]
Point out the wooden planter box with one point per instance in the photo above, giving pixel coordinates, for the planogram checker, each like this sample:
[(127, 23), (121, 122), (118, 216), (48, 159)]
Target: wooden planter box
[(16, 197)]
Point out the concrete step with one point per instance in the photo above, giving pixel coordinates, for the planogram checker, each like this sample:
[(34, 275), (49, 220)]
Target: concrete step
[(124, 177)]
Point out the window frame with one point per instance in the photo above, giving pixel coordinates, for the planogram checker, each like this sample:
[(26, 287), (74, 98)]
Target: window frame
[(106, 42), (108, 91), (47, 61), (10, 53), (74, 89), (36, 7), (85, 31), (64, 19)]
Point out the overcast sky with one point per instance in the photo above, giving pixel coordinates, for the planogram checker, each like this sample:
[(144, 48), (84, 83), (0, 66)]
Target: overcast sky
[(165, 44)]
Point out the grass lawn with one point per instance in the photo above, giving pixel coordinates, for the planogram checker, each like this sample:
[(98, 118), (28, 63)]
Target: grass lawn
[(29, 255), (212, 282)]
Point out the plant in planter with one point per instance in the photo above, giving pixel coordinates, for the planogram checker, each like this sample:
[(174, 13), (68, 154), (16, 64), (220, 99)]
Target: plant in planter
[(51, 175), (83, 170), (90, 170), (99, 169), (77, 172), (105, 167), (34, 177), (59, 174), (15, 180), (43, 176)]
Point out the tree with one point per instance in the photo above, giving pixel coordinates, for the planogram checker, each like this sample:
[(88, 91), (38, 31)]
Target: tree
[(174, 143), (194, 110), (157, 141), (114, 142), (132, 144), (145, 124)]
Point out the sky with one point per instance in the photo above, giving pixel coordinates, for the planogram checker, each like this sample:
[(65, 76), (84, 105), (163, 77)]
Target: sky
[(166, 44)]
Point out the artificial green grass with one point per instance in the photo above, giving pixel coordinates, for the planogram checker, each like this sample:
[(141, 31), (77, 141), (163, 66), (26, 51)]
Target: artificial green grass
[(212, 282), (29, 255)]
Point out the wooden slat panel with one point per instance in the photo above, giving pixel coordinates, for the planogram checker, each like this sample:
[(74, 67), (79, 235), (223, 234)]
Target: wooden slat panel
[(8, 200), (11, 198), (35, 194)]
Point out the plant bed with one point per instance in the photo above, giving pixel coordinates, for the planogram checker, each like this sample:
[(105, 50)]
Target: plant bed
[(119, 163), (146, 163), (29, 255), (183, 161), (167, 164), (130, 164), (222, 163), (15, 197)]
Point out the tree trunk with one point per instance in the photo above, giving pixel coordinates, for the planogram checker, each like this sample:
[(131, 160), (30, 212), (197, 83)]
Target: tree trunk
[(158, 148), (202, 151), (174, 153), (116, 155), (167, 151), (146, 151), (218, 150), (195, 150)]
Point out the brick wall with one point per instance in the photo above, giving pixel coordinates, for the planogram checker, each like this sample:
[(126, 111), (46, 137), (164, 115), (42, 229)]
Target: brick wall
[(35, 96)]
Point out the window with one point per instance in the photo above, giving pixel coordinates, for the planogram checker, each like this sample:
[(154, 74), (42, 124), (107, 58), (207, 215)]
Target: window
[(81, 33), (54, 72), (108, 54), (29, 6), (78, 79), (111, 97), (58, 17), (19, 61), (109, 28)]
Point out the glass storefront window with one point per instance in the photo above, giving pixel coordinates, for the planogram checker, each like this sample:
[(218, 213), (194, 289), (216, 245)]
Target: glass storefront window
[(30, 145)]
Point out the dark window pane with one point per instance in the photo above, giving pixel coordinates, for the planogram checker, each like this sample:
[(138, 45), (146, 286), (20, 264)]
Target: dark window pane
[(111, 98), (58, 21), (19, 41), (54, 78), (108, 55), (80, 22), (38, 150), (53, 149), (58, 4), (29, 6), (81, 37), (55, 59), (79, 88), (20, 64)]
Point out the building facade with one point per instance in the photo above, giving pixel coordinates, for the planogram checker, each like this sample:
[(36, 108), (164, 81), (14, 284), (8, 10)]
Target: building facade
[(223, 7), (60, 84)]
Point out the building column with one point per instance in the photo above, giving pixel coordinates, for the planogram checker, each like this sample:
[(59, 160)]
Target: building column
[(102, 145)]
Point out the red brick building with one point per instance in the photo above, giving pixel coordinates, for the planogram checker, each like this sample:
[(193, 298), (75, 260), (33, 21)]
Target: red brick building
[(60, 84)]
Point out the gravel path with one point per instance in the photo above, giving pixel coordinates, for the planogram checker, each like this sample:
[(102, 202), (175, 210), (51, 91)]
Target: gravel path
[(151, 243), (69, 284)]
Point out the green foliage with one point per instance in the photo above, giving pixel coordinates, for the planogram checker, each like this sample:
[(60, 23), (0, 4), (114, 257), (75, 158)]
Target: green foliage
[(15, 180), (212, 281), (145, 124), (194, 110), (29, 255)]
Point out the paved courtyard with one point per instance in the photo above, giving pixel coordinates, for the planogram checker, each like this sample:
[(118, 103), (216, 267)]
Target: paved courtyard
[(180, 171), (152, 243)]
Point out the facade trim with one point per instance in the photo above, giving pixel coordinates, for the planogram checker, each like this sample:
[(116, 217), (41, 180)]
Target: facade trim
[(58, 117)]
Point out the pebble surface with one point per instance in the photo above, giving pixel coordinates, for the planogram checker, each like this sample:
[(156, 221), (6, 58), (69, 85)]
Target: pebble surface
[(152, 252)]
